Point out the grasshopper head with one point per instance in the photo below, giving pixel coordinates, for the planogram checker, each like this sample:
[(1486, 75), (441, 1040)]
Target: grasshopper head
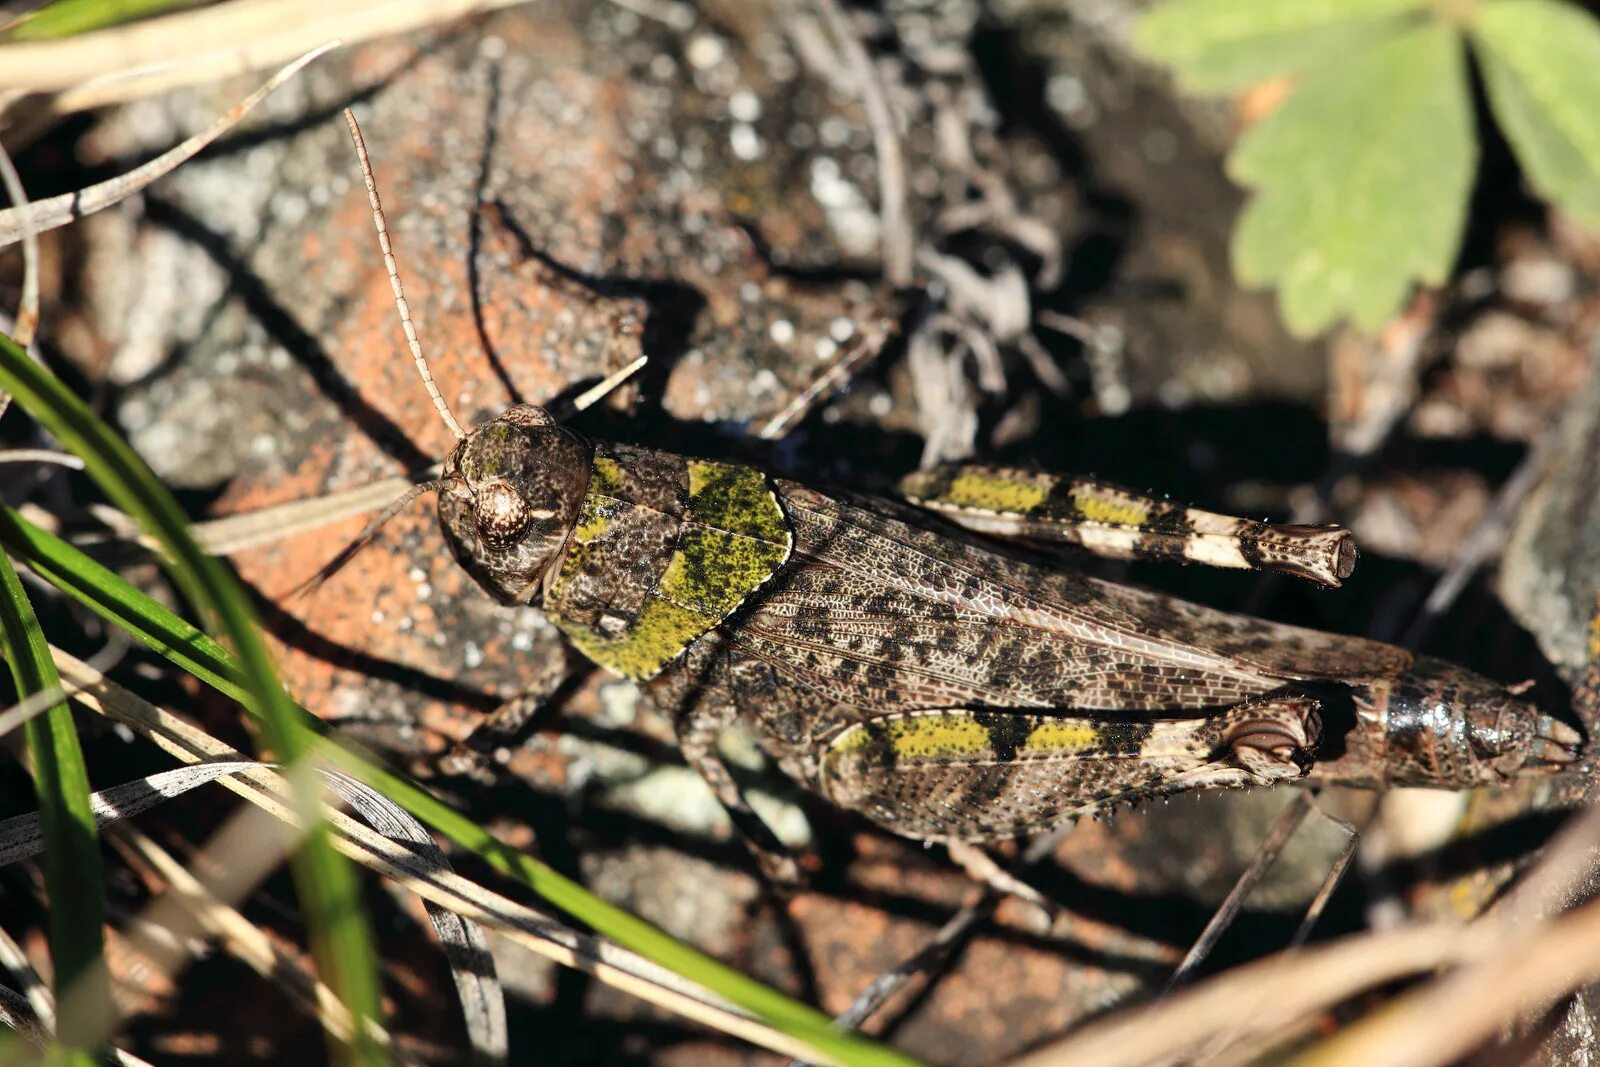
[(511, 494)]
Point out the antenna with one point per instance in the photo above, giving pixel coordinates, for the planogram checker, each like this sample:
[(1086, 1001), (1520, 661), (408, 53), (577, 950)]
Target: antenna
[(394, 279), (367, 533)]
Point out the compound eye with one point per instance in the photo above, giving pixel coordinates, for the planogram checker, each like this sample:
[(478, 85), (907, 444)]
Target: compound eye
[(501, 514)]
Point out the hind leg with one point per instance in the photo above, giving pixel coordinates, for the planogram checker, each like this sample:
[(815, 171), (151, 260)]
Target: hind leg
[(972, 775)]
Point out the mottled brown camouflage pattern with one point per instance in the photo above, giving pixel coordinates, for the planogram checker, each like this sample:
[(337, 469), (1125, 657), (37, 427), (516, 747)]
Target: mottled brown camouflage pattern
[(929, 681)]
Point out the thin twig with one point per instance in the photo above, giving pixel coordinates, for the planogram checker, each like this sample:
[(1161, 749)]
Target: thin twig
[(1283, 828), (1484, 542)]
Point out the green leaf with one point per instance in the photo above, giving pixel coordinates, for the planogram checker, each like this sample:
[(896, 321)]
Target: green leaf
[(1223, 45), (65, 18), (72, 872), (327, 886), (1362, 180), (113, 599), (1541, 66)]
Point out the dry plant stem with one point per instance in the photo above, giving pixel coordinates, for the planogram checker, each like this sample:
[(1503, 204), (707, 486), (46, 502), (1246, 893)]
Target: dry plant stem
[(191, 47), (27, 320), (237, 934), (1227, 1047), (924, 962), (949, 937), (1330, 882), (42, 215), (542, 935), (601, 389), (894, 209)]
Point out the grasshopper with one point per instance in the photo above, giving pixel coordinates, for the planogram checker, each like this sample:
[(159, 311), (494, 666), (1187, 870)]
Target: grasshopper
[(891, 659)]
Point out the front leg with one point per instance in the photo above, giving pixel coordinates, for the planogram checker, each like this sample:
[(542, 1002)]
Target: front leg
[(1118, 523), (699, 725), (473, 754)]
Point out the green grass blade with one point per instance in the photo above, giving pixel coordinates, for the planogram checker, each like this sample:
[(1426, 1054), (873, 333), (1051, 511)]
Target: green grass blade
[(72, 872), (103, 592), (326, 882), (109, 596)]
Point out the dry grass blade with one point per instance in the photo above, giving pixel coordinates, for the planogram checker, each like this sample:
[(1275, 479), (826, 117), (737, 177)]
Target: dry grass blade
[(364, 538), (16, 223), (191, 47), (477, 985), (1528, 974), (473, 967), (274, 523), (34, 989), (19, 713), (238, 935), (21, 836), (16, 1014), (551, 939), (249, 846), (246, 529)]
